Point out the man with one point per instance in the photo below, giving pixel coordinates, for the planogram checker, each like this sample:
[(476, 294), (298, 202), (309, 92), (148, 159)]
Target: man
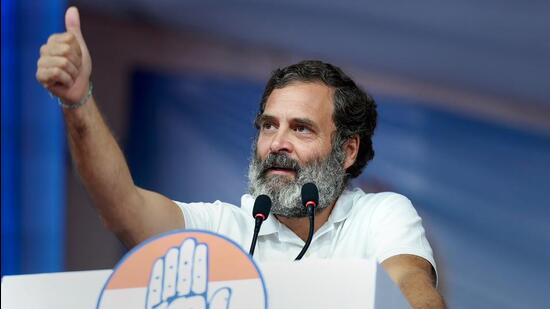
[(314, 124)]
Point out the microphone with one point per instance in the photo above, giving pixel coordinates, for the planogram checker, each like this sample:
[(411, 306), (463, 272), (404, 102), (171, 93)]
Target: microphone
[(261, 209), (310, 199)]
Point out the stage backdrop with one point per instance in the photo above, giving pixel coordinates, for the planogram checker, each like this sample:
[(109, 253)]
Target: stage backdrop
[(480, 187), (33, 144)]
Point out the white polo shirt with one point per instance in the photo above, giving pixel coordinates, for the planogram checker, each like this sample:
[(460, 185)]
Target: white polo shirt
[(361, 225)]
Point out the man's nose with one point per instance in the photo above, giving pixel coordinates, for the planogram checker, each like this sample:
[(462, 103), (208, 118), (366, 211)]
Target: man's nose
[(281, 142)]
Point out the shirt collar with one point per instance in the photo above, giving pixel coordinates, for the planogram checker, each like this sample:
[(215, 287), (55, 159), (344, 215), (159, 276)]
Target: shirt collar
[(343, 206), (271, 225)]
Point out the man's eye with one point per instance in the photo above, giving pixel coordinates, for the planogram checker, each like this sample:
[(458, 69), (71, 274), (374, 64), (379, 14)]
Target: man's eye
[(267, 126), (302, 129)]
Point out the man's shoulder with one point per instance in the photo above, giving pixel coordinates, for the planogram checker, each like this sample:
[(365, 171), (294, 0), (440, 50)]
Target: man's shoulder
[(360, 197), (212, 215), (377, 204), (216, 203), (212, 208)]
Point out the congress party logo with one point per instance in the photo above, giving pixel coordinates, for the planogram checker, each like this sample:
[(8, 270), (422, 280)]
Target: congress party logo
[(187, 270)]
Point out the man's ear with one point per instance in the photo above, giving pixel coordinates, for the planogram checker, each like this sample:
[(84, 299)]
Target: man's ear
[(351, 147)]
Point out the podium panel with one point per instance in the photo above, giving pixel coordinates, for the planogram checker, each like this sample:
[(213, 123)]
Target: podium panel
[(304, 284)]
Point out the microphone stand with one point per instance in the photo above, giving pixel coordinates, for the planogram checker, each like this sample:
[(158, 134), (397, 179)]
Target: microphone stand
[(259, 220), (311, 215)]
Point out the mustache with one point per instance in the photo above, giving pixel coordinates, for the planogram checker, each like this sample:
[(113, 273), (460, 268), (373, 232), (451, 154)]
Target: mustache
[(279, 160)]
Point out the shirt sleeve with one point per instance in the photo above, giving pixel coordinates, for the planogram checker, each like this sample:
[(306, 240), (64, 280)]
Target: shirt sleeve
[(398, 230), (220, 218), (201, 216)]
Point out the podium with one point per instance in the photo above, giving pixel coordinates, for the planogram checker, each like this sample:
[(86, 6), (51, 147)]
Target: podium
[(304, 284)]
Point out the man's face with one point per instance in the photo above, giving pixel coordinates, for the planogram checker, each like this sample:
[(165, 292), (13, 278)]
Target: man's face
[(294, 146), (297, 120)]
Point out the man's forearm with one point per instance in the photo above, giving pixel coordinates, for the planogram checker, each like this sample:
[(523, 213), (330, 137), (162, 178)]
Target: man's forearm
[(420, 291), (100, 163), (416, 278)]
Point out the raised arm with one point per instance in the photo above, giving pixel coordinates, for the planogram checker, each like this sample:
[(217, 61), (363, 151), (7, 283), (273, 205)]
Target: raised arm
[(132, 213)]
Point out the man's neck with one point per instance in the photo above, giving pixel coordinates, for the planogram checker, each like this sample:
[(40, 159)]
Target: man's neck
[(300, 226)]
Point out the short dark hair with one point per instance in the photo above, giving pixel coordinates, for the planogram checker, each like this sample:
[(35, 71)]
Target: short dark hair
[(354, 109)]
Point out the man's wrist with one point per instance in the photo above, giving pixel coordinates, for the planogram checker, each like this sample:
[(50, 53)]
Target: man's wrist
[(81, 102)]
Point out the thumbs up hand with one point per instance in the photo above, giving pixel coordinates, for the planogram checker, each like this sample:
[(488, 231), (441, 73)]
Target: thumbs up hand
[(65, 66)]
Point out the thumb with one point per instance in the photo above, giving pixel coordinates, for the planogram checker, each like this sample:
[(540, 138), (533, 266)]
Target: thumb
[(72, 21), (221, 298)]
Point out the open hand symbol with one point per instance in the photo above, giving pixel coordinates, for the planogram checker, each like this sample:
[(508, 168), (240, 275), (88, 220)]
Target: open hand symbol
[(179, 279)]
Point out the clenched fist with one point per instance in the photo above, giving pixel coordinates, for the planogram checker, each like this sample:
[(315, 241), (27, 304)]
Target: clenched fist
[(64, 66)]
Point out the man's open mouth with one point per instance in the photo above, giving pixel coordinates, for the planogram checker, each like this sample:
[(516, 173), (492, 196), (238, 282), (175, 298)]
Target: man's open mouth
[(279, 164), (277, 168), (280, 170)]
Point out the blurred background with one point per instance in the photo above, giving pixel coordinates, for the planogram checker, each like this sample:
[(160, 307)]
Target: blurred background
[(463, 90)]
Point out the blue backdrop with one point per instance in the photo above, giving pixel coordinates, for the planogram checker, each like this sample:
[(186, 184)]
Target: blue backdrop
[(479, 186), (33, 166)]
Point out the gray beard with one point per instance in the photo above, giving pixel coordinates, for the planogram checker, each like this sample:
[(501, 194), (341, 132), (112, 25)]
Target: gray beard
[(327, 173)]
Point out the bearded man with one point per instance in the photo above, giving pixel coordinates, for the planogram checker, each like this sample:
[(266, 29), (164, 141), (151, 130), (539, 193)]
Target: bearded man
[(314, 125)]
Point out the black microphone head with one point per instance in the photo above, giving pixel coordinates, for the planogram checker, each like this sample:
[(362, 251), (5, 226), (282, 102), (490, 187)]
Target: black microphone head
[(310, 194), (262, 206)]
